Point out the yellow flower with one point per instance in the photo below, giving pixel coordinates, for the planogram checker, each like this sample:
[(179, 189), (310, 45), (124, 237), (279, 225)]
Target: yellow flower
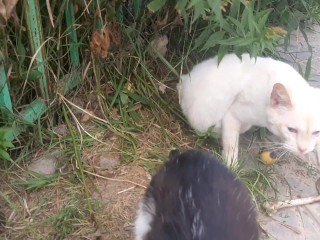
[(275, 32), (128, 87)]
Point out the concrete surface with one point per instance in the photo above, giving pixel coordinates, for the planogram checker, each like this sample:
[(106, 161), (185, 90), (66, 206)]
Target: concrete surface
[(294, 177)]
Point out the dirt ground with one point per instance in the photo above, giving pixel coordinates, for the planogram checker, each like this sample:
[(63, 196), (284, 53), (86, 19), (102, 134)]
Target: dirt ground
[(116, 187)]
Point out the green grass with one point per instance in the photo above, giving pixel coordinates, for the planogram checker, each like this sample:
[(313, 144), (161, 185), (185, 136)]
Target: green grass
[(70, 215), (128, 114)]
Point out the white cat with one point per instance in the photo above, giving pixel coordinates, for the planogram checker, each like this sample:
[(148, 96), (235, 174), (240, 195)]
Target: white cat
[(239, 94)]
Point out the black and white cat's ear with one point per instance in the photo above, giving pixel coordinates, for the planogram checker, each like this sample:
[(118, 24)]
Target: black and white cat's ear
[(174, 154), (280, 96)]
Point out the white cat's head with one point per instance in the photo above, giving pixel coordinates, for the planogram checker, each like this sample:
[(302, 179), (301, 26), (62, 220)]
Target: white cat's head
[(296, 119)]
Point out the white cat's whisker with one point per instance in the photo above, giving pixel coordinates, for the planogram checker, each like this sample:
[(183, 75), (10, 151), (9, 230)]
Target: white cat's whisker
[(282, 154)]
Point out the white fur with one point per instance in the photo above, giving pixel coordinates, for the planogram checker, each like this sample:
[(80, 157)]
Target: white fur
[(144, 219), (236, 95)]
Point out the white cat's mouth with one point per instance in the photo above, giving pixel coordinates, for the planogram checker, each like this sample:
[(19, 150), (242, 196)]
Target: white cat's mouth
[(284, 149), (298, 150)]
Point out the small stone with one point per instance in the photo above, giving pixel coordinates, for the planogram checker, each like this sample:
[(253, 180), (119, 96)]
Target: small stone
[(60, 130), (45, 165), (107, 162), (159, 45)]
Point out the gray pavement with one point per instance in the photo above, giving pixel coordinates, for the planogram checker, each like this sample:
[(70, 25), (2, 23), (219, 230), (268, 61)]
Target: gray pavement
[(295, 177)]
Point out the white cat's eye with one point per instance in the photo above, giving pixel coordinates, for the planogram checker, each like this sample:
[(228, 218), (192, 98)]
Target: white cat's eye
[(316, 133), (293, 130)]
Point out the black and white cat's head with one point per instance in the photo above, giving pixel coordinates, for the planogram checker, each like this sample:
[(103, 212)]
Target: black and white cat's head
[(193, 196)]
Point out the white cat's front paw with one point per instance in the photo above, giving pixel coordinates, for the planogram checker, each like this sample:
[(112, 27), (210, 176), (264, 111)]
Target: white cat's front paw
[(230, 157)]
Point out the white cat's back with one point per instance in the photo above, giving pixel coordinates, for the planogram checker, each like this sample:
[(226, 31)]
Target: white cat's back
[(209, 90)]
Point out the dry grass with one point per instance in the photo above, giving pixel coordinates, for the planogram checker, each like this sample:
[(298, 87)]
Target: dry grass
[(114, 194), (57, 208)]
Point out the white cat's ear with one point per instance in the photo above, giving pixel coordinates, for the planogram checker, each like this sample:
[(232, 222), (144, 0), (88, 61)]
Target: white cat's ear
[(280, 96)]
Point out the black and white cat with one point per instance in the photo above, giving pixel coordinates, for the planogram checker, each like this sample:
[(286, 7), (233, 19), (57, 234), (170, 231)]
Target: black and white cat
[(194, 197)]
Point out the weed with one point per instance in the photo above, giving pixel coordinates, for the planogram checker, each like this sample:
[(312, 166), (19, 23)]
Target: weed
[(37, 181), (71, 214), (258, 182), (5, 142), (126, 103)]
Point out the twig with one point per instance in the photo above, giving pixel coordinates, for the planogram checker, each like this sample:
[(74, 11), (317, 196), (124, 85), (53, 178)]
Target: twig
[(273, 207), (116, 180), (128, 189)]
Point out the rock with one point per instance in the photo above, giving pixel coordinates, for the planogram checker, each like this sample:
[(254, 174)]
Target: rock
[(45, 165), (103, 164), (159, 45), (107, 162), (60, 130)]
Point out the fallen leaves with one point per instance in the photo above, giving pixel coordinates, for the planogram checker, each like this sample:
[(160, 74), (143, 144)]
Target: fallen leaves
[(101, 40), (159, 45), (162, 87), (8, 10)]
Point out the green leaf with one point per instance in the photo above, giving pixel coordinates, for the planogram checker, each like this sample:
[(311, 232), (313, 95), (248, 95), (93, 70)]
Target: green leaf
[(255, 50), (6, 144), (238, 25), (156, 5), (5, 133), (237, 42), (140, 99), (193, 3), (4, 154), (135, 116), (202, 38), (123, 98), (198, 11), (216, 8), (234, 9), (137, 8), (181, 6), (251, 22), (308, 68), (32, 75), (244, 17), (262, 22), (227, 27), (221, 52), (213, 40), (21, 52)]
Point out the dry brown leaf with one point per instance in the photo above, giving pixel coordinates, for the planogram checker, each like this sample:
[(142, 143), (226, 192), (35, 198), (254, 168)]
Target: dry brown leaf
[(7, 7), (49, 12), (8, 10), (163, 22), (177, 20), (137, 106), (86, 117), (159, 44), (115, 34), (100, 42), (76, 7), (162, 88)]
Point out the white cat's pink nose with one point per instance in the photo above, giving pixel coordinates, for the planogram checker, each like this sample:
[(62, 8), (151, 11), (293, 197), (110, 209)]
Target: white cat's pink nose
[(301, 149)]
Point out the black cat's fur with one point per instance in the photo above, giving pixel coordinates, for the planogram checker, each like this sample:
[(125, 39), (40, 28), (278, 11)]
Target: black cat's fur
[(194, 197)]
